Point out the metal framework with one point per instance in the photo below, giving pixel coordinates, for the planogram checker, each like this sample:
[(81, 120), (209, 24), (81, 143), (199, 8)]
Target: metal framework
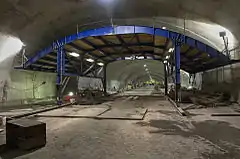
[(113, 43)]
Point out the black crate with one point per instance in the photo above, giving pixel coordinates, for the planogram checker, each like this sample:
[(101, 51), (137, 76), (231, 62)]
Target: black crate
[(25, 134)]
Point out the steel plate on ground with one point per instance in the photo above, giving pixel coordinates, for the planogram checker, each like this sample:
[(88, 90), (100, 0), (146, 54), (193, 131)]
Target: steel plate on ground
[(75, 111), (134, 113)]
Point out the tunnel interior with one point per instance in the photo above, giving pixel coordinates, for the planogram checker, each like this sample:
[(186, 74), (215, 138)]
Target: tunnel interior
[(89, 52), (119, 79)]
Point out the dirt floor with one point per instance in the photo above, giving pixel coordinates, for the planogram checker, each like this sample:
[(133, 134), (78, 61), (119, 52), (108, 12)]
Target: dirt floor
[(162, 134)]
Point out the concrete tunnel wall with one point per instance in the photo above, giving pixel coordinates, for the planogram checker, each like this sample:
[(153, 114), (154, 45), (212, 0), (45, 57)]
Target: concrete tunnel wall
[(21, 87)]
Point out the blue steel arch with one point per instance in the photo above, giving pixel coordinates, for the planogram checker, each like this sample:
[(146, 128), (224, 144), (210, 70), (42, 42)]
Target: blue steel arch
[(119, 30), (177, 39)]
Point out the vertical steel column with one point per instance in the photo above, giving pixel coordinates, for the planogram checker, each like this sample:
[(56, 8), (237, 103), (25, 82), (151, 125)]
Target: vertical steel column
[(165, 79), (177, 70), (82, 58), (105, 79), (60, 72)]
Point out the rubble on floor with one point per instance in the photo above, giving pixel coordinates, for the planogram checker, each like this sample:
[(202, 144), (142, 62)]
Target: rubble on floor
[(197, 99), (91, 97)]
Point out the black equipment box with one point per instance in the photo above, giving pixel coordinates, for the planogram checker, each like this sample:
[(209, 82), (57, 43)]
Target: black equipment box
[(25, 134)]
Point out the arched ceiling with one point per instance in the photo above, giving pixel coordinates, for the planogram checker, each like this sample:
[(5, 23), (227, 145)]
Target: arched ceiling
[(38, 23)]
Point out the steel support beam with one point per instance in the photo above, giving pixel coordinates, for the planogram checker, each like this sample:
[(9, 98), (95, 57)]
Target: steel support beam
[(60, 72), (96, 48), (112, 45), (107, 43), (136, 53), (165, 79), (124, 44), (75, 67), (105, 79), (121, 30), (99, 71), (139, 42), (65, 83), (79, 75), (85, 51), (89, 69), (39, 69), (166, 46), (81, 63), (177, 71)]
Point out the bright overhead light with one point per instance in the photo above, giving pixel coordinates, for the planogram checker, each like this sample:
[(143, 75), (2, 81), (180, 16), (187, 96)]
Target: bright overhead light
[(164, 27), (10, 46), (139, 57), (165, 61), (107, 1), (167, 57), (74, 54), (100, 64), (146, 69), (70, 93), (90, 60), (23, 44), (171, 50), (128, 58), (145, 65)]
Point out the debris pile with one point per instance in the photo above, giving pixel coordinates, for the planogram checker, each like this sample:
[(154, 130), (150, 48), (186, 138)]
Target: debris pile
[(90, 97), (200, 99), (203, 100)]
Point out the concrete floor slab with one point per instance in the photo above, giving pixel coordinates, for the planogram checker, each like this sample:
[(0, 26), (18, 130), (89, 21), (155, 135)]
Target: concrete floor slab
[(135, 113), (163, 134), (75, 111)]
